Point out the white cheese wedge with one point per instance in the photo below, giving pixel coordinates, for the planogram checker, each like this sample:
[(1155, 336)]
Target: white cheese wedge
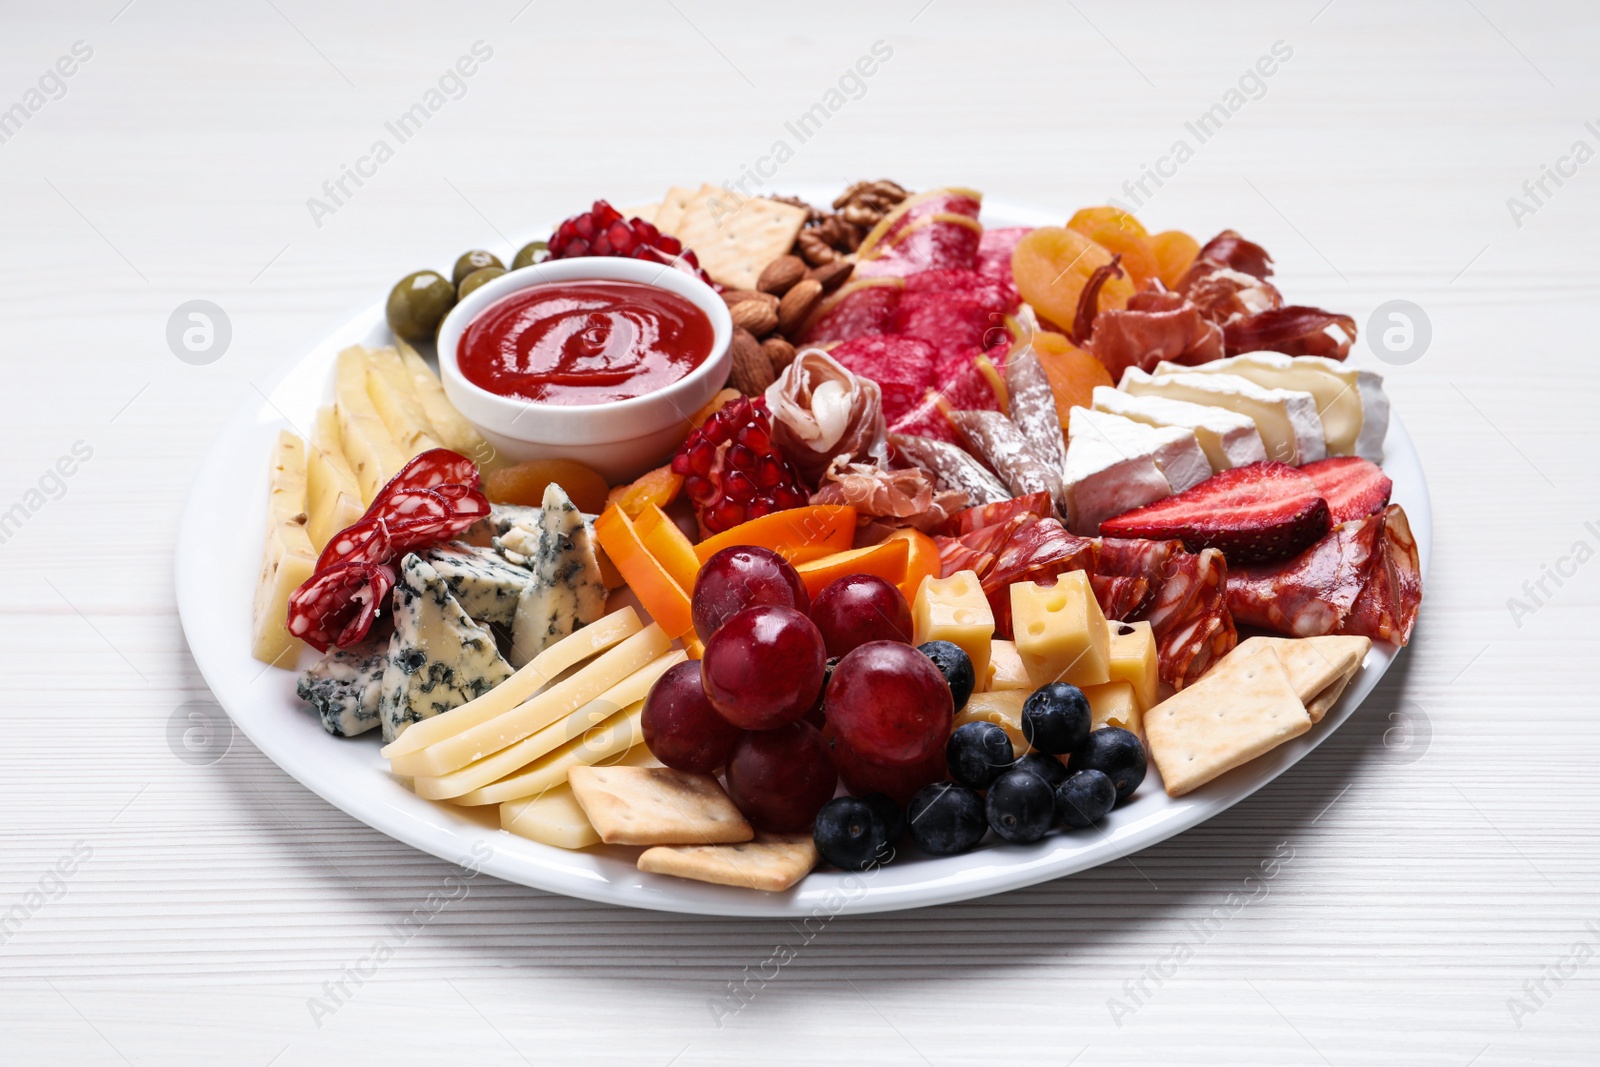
[(1287, 419), (1105, 480), (438, 659), (1176, 450), (1350, 401), (1227, 439)]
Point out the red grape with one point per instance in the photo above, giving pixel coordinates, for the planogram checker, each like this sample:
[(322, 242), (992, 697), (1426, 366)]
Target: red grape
[(890, 704), (781, 778), (743, 577), (864, 778), (681, 727), (763, 668), (859, 608)]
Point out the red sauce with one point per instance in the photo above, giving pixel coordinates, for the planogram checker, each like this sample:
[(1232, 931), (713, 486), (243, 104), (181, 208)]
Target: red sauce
[(584, 342)]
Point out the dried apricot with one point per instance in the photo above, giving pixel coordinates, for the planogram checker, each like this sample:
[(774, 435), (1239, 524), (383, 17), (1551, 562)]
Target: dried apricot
[(524, 483), (659, 487), (1072, 372), (713, 406), (1090, 218), (1174, 251), (1117, 231), (1051, 265)]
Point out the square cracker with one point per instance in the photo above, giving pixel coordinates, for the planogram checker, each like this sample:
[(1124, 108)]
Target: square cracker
[(772, 862), (673, 205), (657, 806), (1319, 667), (1244, 707), (735, 239)]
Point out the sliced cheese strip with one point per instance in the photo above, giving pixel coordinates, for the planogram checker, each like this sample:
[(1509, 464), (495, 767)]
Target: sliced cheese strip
[(561, 656), (367, 443), (1287, 419), (1227, 438), (288, 557), (528, 718), (616, 735), (552, 819), (392, 394), (450, 425), (1350, 401), (512, 759)]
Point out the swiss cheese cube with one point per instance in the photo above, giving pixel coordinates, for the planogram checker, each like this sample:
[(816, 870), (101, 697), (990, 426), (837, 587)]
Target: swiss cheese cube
[(1004, 709), (1005, 668), (954, 609), (1134, 660), (1061, 632), (1114, 704)]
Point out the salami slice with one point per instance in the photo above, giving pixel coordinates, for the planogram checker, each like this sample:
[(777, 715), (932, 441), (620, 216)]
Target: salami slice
[(1187, 606), (958, 322), (997, 441), (364, 541), (860, 308), (951, 467), (994, 256), (337, 606), (966, 203), (1039, 551), (1120, 597), (1032, 406), (977, 517), (435, 467), (902, 366), (940, 241), (403, 505)]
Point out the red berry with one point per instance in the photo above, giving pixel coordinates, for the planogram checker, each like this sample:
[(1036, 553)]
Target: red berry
[(681, 727), (889, 704), (859, 608), (781, 778), (763, 668)]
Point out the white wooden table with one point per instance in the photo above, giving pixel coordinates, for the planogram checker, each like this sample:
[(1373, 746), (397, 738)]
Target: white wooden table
[(1435, 900)]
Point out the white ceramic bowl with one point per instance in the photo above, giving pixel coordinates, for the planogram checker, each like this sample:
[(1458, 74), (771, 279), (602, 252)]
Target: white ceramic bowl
[(621, 439)]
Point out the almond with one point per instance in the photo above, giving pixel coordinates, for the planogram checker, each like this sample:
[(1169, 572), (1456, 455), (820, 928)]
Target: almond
[(780, 351), (832, 275), (798, 304), (752, 369), (757, 316), (734, 296), (781, 274)]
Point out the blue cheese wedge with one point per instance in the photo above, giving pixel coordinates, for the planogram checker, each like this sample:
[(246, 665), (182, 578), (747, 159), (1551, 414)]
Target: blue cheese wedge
[(484, 582), (345, 687), (1350, 401), (1287, 419), (438, 658), (1227, 438), (567, 591)]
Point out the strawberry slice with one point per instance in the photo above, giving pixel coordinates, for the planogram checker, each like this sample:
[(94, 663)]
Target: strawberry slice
[(1353, 487), (1263, 511)]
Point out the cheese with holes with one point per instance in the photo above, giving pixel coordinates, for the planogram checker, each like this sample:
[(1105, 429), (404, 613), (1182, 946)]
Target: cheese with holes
[(346, 686), (954, 609), (1004, 709), (485, 583), (1135, 660), (1286, 419), (1005, 668), (438, 658), (1227, 438), (567, 591), (287, 558), (1350, 401), (1114, 704), (1060, 631)]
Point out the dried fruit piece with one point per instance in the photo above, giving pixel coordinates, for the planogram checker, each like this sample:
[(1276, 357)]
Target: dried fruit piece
[(1175, 251), (1118, 231), (1052, 264), (524, 484), (1073, 373), (659, 487), (732, 470)]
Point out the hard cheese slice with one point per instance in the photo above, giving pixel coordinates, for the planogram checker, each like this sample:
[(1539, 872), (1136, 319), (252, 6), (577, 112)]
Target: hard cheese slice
[(287, 559), (567, 591), (1287, 419), (1245, 706), (553, 818), (1136, 660), (1002, 707), (1227, 438), (954, 609), (333, 496), (613, 743), (372, 452), (1005, 668), (1114, 704), (438, 658)]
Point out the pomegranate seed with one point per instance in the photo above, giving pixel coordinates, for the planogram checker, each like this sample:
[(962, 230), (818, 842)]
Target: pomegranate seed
[(725, 516), (620, 236), (741, 458), (602, 246), (752, 436), (670, 245)]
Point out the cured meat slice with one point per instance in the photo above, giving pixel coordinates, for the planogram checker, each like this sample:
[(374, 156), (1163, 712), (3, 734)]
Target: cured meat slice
[(906, 495), (997, 441), (1038, 550), (1362, 578), (337, 606), (428, 470), (950, 466), (994, 255), (1187, 607), (1155, 326), (959, 322), (820, 410), (902, 366), (939, 241), (995, 513), (961, 386), (1032, 405), (1294, 331), (1120, 596), (954, 202), (1228, 250), (861, 307)]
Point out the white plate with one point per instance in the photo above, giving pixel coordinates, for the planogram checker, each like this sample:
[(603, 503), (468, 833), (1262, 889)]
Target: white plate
[(218, 556)]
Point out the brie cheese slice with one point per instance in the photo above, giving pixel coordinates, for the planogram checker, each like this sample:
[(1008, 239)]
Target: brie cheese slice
[(1287, 419), (1350, 401), (1227, 438), (1103, 481)]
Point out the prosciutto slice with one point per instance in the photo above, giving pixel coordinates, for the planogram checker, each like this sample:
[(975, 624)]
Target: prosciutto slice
[(1228, 251), (1155, 326), (907, 496), (1294, 331), (820, 410), (1363, 578)]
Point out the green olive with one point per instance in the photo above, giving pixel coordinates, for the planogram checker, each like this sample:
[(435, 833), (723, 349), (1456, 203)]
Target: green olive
[(418, 303), (477, 278), (531, 253), (471, 261)]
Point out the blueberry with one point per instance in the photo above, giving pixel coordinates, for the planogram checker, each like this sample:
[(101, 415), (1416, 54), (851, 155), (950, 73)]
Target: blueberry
[(1116, 753), (1056, 718), (978, 753), (946, 819), (956, 666), (894, 820), (1021, 807), (1085, 798), (1052, 770), (850, 834)]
